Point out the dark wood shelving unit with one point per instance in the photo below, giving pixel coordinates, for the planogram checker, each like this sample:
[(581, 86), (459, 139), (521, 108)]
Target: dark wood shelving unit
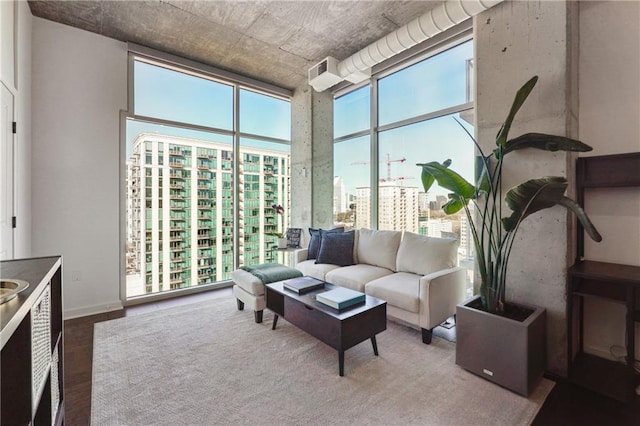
[(21, 401), (611, 281)]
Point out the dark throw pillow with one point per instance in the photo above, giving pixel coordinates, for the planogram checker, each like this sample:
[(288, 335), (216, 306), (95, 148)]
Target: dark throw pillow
[(314, 242), (336, 248)]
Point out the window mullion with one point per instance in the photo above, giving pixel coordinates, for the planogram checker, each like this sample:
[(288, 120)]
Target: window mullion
[(180, 124), (375, 155), (236, 177), (428, 116)]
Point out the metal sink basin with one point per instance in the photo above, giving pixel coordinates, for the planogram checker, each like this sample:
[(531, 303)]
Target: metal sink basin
[(10, 288)]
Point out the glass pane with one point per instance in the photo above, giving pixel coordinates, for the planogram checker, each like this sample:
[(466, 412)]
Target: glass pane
[(264, 115), (351, 112), (264, 181), (171, 95), (352, 183), (179, 208), (402, 203), (436, 83)]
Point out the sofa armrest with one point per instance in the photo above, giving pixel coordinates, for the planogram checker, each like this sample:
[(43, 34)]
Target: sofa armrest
[(440, 292), (300, 255)]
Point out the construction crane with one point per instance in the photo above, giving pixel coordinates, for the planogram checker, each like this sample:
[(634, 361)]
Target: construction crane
[(388, 162), (399, 178)]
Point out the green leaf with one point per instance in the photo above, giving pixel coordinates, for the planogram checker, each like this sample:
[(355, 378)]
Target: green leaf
[(427, 179), (449, 179), (483, 176), (532, 196), (454, 205), (521, 96), (546, 143), (582, 217)]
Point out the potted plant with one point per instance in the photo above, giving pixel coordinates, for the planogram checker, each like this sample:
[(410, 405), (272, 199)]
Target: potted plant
[(501, 341)]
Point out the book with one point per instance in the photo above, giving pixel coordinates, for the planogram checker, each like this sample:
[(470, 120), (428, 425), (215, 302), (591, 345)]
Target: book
[(340, 298), (303, 285)]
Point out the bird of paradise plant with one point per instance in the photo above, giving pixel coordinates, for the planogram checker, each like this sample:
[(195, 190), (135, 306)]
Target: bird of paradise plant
[(493, 235)]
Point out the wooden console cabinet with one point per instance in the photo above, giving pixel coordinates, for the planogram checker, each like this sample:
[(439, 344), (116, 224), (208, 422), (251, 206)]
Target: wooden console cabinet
[(615, 282), (32, 345)]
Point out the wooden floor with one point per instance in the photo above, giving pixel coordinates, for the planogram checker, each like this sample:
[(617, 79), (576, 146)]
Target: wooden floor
[(566, 405)]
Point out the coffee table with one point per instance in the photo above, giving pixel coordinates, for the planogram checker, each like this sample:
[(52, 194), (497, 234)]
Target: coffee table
[(340, 329)]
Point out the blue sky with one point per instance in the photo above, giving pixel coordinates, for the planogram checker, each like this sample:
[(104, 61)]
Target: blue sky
[(170, 95), (436, 83)]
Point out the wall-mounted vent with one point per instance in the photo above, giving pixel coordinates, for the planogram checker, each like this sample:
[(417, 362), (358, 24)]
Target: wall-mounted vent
[(324, 74)]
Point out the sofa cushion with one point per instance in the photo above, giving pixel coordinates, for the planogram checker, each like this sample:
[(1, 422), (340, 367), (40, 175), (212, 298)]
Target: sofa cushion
[(401, 290), (316, 238), (423, 255), (316, 270), (378, 248), (356, 276), (336, 248)]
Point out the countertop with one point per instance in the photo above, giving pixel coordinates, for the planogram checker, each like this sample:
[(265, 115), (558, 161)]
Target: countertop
[(37, 272)]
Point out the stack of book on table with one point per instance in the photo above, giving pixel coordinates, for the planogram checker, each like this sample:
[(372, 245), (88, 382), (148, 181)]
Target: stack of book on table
[(340, 298), (303, 285)]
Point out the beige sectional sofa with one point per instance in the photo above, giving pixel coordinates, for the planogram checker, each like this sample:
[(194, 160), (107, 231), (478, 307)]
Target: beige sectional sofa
[(417, 276)]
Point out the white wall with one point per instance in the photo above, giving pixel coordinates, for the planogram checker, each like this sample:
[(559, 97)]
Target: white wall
[(7, 55), (608, 117), (16, 75), (22, 242), (79, 87)]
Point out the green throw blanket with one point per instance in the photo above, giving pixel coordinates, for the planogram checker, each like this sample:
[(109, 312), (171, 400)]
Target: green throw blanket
[(272, 272)]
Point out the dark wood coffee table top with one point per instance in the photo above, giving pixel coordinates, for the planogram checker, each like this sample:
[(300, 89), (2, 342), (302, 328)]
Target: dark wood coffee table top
[(309, 299), (340, 329)]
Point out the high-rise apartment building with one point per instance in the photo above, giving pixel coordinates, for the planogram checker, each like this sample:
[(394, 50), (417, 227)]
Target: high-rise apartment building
[(397, 207), (466, 248), (363, 208), (437, 227), (340, 196), (180, 210)]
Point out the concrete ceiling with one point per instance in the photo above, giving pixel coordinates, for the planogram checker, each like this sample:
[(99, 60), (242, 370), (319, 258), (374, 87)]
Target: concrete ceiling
[(272, 41)]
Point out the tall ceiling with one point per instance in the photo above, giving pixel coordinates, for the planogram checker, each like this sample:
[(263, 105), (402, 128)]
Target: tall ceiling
[(272, 41)]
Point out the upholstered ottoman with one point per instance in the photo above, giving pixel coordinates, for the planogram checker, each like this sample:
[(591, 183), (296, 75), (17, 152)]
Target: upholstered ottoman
[(249, 284)]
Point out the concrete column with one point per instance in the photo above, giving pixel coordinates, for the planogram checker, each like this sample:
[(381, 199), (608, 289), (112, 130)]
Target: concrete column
[(301, 156), (322, 113), (311, 159), (515, 41)]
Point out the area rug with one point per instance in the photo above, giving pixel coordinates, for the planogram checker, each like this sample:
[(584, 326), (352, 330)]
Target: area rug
[(209, 364)]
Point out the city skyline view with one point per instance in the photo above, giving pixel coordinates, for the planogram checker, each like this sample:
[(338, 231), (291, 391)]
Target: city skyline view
[(417, 114), (205, 158), (184, 130), (180, 211), (435, 84)]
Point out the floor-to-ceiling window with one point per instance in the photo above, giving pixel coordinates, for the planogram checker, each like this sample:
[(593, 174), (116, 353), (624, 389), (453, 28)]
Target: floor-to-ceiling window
[(351, 158), (417, 111), (206, 159)]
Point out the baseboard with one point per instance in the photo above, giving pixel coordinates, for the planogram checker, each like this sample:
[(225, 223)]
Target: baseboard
[(599, 351), (554, 377), (92, 310)]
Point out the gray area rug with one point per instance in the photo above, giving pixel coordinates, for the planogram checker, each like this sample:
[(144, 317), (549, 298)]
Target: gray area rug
[(209, 364)]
